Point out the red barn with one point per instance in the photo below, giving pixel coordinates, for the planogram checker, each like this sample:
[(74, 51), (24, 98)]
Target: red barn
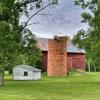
[(75, 56)]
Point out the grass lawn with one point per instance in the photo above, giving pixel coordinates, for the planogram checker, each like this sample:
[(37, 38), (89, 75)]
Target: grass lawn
[(76, 86)]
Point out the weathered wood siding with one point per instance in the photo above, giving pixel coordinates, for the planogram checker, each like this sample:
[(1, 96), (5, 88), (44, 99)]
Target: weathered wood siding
[(76, 61), (44, 60), (36, 75), (18, 74)]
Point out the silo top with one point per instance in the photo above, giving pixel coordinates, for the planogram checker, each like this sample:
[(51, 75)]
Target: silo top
[(60, 37)]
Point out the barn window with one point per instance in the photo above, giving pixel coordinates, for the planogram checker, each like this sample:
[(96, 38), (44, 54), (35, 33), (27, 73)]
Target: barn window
[(25, 73)]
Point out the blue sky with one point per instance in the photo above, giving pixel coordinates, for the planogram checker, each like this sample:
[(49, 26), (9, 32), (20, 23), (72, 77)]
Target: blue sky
[(62, 18)]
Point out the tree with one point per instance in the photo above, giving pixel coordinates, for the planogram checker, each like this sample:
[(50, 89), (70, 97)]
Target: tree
[(30, 49), (1, 76), (89, 40), (11, 32), (9, 44)]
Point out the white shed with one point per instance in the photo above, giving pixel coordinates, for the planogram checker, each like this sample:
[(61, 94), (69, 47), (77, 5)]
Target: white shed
[(25, 72)]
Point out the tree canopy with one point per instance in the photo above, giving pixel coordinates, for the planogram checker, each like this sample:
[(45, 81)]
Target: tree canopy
[(13, 35)]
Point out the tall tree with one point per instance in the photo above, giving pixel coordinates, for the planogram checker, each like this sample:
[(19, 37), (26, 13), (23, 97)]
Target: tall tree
[(11, 32), (89, 40)]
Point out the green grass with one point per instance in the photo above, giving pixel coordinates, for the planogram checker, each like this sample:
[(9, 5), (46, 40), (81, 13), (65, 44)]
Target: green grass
[(76, 86)]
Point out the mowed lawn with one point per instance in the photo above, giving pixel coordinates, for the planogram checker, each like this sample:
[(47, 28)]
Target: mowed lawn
[(75, 86)]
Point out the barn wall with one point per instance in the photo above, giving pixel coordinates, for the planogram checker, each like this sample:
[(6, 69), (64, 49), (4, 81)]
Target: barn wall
[(44, 60), (79, 59), (76, 61)]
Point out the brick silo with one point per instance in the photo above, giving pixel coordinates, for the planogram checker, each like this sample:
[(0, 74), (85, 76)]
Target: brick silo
[(57, 56)]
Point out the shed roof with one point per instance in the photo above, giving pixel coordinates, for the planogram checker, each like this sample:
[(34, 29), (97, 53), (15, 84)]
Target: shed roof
[(27, 67), (43, 45)]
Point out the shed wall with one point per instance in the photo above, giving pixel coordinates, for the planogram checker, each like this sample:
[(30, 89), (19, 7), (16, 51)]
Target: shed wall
[(18, 74), (37, 75)]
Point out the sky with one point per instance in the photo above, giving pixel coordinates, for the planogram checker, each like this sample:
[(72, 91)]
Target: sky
[(63, 18)]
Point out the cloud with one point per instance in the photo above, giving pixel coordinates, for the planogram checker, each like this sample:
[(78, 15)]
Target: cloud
[(64, 18)]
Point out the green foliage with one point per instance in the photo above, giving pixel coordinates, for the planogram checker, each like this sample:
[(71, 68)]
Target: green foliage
[(31, 52), (9, 44), (89, 40), (12, 44), (17, 44)]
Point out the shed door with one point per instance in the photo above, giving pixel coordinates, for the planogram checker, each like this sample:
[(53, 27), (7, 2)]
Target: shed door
[(76, 63)]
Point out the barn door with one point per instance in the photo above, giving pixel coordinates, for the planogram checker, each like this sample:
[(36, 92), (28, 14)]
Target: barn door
[(69, 63), (76, 63)]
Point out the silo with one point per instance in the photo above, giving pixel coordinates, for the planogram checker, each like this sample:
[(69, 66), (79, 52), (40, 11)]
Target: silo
[(57, 56)]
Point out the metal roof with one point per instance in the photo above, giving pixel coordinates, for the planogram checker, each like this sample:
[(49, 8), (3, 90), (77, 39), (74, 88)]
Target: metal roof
[(27, 67), (43, 45)]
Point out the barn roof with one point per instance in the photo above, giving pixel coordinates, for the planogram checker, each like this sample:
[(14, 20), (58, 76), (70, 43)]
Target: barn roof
[(43, 45), (27, 67)]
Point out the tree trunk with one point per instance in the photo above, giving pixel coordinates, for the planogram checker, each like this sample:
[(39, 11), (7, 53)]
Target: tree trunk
[(89, 67), (94, 68), (1, 79)]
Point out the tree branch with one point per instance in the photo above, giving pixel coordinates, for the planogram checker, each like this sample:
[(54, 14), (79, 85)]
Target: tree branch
[(34, 15), (26, 2)]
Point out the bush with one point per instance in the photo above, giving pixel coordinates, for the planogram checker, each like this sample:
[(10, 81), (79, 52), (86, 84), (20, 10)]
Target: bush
[(98, 68)]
